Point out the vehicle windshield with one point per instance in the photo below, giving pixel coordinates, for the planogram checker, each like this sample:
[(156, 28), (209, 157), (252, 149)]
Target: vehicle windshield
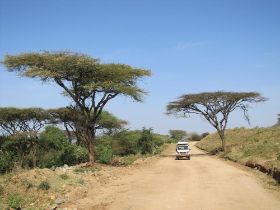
[(182, 147)]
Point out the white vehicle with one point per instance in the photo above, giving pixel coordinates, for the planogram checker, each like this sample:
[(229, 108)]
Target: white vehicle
[(183, 150)]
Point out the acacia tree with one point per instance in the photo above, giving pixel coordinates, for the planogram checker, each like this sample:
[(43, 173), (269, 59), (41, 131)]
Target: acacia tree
[(89, 83), (23, 126), (215, 107), (73, 122), (177, 134)]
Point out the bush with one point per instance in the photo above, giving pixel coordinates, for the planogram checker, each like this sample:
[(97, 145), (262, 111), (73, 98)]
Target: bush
[(195, 137), (104, 153), (50, 158), (146, 142), (44, 185), (15, 201), (6, 161), (74, 154), (64, 176), (53, 138), (126, 143), (158, 140)]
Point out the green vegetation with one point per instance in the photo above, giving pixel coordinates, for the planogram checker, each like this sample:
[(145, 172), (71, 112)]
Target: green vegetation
[(88, 83), (15, 201), (177, 135), (215, 107), (258, 147), (44, 185), (64, 176)]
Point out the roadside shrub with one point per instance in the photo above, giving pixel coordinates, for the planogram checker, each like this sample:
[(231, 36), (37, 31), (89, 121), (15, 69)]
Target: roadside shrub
[(44, 185), (50, 158), (104, 153), (146, 142), (158, 141), (53, 138), (195, 137), (15, 201), (64, 176), (74, 154), (126, 143), (6, 161)]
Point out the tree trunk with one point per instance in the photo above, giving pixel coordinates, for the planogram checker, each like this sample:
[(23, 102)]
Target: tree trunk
[(34, 156), (223, 142), (90, 137), (91, 156), (222, 136)]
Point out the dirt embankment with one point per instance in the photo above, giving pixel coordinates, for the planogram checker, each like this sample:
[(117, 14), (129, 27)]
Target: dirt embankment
[(258, 148)]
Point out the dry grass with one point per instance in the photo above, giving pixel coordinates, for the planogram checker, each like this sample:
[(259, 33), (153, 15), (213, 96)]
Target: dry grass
[(258, 146)]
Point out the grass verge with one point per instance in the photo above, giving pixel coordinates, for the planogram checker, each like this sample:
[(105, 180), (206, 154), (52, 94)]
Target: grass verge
[(258, 148)]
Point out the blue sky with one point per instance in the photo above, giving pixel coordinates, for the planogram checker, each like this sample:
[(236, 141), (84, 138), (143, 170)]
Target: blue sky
[(189, 45)]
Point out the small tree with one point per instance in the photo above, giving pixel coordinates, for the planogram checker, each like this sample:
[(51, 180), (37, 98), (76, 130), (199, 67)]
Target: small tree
[(23, 126), (215, 107), (73, 122), (146, 141), (177, 134), (88, 83)]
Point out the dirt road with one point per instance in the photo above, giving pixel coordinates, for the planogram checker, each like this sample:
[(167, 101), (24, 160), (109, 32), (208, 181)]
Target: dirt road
[(203, 183)]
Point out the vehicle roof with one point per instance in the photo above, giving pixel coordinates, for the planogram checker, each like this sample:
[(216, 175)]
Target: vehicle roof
[(183, 142)]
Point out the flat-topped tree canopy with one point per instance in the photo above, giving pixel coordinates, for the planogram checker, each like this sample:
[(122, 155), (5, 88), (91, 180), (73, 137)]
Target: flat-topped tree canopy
[(215, 107), (15, 120), (89, 83), (215, 102), (78, 74)]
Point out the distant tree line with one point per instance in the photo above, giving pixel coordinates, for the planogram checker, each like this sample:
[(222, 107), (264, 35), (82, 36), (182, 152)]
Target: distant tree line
[(179, 135)]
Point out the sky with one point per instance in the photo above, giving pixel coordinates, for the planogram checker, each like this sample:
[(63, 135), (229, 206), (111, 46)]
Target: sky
[(190, 46)]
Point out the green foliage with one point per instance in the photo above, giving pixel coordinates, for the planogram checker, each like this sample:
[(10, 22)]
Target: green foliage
[(109, 123), (89, 83), (158, 140), (50, 158), (146, 143), (104, 150), (64, 176), (104, 154), (53, 138), (7, 161), (52, 144), (126, 142), (15, 120), (15, 201), (178, 135), (44, 185), (195, 137), (214, 107), (74, 154)]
